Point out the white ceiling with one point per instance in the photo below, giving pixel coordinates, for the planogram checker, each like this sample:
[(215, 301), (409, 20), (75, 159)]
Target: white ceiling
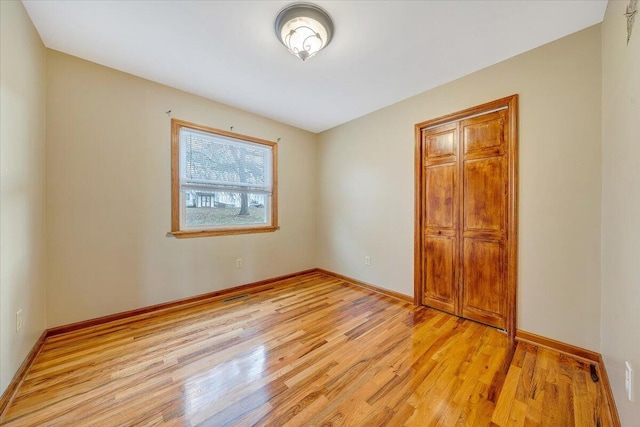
[(382, 51)]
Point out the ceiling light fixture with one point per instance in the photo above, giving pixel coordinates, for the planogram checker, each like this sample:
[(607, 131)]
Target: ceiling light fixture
[(304, 28)]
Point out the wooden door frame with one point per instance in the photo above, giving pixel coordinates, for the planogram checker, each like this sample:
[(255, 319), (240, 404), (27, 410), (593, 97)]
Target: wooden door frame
[(511, 104)]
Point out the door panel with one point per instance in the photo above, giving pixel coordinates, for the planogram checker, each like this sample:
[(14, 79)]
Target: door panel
[(484, 212), (440, 180), (440, 142), (439, 291), (484, 134), (484, 195), (483, 281), (440, 183)]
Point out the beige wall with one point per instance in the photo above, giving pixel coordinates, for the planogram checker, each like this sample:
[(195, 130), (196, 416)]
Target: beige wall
[(366, 185), (22, 185), (621, 205), (108, 196)]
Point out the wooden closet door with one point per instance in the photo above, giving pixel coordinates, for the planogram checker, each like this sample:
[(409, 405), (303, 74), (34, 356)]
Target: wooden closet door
[(466, 234), (483, 217), (440, 239)]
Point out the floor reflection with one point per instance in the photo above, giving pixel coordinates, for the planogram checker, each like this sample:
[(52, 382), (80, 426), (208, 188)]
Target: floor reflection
[(205, 393)]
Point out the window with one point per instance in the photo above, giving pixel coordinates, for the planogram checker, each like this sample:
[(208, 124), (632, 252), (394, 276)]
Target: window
[(221, 182)]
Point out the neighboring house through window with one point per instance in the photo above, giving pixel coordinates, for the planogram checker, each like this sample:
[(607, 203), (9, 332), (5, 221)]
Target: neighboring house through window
[(221, 182)]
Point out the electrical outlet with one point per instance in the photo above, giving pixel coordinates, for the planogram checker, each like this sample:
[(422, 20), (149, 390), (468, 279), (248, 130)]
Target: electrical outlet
[(18, 320), (367, 260), (628, 380), (239, 263)]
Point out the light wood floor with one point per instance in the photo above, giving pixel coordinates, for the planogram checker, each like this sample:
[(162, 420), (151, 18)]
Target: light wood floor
[(314, 352)]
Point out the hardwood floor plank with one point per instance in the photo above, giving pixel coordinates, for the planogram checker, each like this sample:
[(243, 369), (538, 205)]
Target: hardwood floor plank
[(310, 351)]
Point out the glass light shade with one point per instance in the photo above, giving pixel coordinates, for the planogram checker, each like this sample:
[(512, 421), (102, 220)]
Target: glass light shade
[(304, 29), (303, 36)]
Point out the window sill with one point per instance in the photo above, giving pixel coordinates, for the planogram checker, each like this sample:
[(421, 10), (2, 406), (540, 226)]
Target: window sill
[(187, 234)]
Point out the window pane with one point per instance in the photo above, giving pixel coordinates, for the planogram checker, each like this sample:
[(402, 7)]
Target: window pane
[(224, 208)]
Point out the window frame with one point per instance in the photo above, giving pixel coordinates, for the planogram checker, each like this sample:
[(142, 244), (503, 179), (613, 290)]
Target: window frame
[(176, 203)]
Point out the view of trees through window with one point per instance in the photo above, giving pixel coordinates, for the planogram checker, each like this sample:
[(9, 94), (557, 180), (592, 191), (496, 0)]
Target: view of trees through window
[(215, 208), (224, 180)]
